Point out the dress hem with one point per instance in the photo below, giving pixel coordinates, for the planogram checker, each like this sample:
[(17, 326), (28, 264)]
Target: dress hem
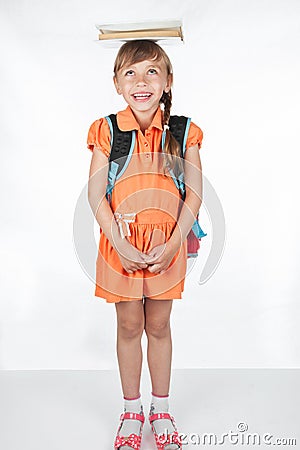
[(176, 296)]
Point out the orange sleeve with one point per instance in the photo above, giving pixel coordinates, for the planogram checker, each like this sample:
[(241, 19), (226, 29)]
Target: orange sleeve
[(195, 136), (99, 136)]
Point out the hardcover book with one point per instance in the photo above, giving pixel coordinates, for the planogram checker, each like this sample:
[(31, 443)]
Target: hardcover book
[(164, 30)]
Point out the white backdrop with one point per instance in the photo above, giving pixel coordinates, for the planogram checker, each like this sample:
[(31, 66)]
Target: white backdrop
[(237, 76)]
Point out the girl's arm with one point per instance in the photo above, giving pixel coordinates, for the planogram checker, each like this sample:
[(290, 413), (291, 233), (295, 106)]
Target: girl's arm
[(97, 197), (131, 259), (162, 255), (193, 200)]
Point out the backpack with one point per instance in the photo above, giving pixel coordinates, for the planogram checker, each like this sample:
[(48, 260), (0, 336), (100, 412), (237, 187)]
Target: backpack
[(122, 146)]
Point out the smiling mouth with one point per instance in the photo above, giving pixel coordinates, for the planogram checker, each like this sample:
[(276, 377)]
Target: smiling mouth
[(142, 96)]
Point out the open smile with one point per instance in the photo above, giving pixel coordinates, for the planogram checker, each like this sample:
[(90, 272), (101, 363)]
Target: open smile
[(142, 96)]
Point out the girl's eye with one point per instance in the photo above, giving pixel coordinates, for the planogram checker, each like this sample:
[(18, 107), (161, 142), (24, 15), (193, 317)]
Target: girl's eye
[(153, 70), (129, 72)]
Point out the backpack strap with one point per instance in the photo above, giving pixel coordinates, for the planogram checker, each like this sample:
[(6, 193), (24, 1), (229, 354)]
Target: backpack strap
[(179, 127), (121, 149), (121, 142)]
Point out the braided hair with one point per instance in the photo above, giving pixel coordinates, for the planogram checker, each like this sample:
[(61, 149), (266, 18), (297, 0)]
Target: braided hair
[(139, 50), (171, 149)]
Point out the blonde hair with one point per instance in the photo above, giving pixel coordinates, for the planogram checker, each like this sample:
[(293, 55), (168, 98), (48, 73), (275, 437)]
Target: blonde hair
[(140, 50)]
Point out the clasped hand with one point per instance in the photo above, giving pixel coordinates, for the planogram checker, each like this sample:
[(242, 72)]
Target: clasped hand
[(156, 261)]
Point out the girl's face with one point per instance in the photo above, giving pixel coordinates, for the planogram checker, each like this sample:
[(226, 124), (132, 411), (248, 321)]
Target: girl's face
[(142, 84)]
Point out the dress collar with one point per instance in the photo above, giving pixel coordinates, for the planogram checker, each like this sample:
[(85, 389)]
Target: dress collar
[(127, 121)]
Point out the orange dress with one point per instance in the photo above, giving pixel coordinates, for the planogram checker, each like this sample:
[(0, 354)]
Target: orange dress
[(146, 205)]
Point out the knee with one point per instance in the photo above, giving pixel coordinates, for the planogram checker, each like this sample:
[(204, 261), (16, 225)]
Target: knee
[(130, 328), (158, 328)]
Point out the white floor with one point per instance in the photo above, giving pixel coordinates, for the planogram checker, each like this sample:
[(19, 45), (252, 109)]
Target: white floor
[(79, 410)]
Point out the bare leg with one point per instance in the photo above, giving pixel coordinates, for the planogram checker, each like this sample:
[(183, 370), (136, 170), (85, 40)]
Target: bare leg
[(159, 351), (159, 354), (130, 326)]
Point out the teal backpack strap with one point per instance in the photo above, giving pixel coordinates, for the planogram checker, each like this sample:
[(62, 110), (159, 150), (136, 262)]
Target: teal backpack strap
[(122, 146), (179, 127), (187, 128)]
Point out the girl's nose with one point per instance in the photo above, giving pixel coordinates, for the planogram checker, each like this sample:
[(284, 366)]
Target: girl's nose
[(141, 80)]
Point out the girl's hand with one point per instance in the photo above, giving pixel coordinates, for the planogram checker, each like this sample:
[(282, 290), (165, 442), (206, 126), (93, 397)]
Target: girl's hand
[(131, 258), (160, 257)]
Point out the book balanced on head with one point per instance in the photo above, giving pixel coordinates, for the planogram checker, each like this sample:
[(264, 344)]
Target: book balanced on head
[(163, 30)]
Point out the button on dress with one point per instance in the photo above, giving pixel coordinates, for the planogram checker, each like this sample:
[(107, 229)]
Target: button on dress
[(146, 205)]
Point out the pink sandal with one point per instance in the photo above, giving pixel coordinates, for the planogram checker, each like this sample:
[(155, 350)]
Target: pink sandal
[(162, 440), (133, 440)]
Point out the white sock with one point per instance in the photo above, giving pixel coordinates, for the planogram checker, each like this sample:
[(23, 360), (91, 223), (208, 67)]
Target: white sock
[(162, 426), (131, 425)]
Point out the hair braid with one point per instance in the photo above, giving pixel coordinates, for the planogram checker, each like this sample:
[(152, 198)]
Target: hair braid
[(167, 101), (171, 147)]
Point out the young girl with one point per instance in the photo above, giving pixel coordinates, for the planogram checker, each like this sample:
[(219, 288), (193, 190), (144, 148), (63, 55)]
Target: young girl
[(142, 255)]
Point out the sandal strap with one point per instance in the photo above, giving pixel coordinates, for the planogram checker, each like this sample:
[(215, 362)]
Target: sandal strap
[(162, 415), (132, 415)]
